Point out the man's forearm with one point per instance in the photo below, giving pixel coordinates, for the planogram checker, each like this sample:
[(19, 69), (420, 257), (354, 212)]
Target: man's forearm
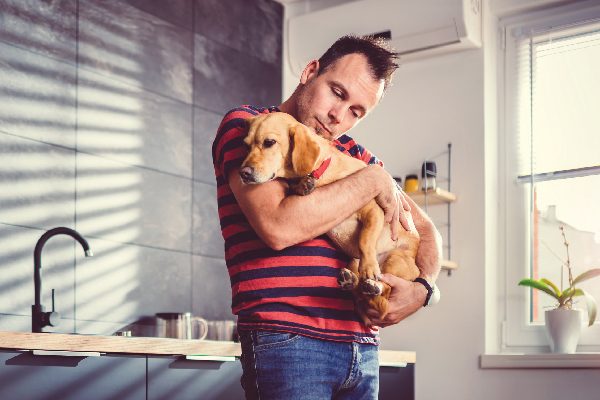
[(323, 209), (429, 255), (430, 249), (282, 221)]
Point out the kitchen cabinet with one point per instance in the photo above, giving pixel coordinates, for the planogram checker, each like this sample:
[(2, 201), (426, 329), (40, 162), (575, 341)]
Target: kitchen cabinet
[(176, 378), (153, 368), (32, 377), (397, 383)]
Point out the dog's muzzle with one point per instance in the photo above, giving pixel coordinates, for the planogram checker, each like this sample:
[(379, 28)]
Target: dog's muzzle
[(247, 175)]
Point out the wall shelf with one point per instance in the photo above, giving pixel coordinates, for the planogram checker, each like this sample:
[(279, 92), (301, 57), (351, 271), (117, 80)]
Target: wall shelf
[(432, 197), (439, 196), (448, 265)]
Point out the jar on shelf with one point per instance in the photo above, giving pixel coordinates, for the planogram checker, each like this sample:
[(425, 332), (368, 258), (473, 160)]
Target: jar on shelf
[(428, 174), (411, 184)]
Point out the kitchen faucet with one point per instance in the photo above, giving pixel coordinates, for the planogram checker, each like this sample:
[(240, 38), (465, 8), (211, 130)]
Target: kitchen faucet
[(40, 318)]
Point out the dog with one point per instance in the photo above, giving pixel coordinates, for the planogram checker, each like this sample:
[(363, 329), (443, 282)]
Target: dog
[(281, 147)]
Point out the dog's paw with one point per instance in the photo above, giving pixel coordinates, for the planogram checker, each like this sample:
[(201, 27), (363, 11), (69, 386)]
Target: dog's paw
[(302, 186), (347, 279), (371, 287), (368, 270)]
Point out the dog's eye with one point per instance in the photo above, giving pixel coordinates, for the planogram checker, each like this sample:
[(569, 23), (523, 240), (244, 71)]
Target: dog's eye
[(268, 143)]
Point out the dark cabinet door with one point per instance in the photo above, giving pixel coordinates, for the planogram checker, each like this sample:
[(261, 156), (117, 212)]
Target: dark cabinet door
[(397, 383), (180, 379), (27, 376)]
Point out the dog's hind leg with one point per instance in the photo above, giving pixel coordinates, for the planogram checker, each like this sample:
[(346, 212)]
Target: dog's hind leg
[(372, 221), (348, 277), (400, 263)]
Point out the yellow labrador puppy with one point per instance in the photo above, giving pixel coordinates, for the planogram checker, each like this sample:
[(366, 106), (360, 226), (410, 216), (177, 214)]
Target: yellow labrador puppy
[(281, 147)]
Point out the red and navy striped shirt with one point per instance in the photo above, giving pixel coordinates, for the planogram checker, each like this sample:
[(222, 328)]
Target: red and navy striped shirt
[(290, 290)]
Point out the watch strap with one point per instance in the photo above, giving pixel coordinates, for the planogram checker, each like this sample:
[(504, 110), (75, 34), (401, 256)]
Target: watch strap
[(429, 290)]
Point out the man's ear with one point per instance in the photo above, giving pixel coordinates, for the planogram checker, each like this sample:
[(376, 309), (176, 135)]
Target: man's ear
[(305, 150), (310, 71)]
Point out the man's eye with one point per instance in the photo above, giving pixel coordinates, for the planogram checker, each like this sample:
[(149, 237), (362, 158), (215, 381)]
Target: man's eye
[(268, 143)]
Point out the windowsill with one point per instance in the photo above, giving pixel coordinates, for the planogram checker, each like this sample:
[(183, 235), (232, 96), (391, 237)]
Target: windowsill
[(540, 361)]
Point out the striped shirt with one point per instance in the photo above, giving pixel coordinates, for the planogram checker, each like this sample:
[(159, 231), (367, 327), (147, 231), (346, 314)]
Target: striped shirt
[(290, 290)]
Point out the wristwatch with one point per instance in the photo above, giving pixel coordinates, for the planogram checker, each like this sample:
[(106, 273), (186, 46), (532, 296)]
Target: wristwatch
[(433, 293)]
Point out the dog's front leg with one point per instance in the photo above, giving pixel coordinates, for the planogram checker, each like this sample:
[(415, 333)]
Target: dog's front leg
[(372, 221), (302, 186)]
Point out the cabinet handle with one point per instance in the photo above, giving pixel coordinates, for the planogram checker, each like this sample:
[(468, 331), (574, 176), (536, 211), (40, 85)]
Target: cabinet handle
[(393, 364), (63, 353), (210, 358)]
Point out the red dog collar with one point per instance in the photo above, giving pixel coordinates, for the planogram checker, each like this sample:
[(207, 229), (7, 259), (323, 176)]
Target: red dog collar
[(317, 173)]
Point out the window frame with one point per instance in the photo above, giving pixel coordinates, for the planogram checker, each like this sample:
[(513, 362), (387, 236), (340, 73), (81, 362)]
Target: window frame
[(516, 333)]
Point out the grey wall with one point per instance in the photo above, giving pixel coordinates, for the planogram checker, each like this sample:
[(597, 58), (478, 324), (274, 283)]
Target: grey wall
[(107, 113)]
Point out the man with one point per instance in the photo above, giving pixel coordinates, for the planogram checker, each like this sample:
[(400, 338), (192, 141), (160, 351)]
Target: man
[(300, 335)]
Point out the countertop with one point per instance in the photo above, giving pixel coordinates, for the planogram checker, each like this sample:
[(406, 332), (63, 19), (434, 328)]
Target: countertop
[(149, 346)]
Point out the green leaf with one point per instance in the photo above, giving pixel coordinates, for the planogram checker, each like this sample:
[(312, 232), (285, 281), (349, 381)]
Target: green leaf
[(589, 274), (552, 285), (590, 303), (538, 285), (569, 292)]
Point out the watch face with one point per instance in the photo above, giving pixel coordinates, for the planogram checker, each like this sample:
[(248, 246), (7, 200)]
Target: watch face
[(435, 296)]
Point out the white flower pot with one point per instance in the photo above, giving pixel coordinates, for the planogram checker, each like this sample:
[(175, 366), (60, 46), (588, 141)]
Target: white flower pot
[(563, 328)]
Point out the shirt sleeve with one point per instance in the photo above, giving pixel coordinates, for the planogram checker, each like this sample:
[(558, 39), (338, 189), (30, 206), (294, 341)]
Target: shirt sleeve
[(349, 146), (228, 148)]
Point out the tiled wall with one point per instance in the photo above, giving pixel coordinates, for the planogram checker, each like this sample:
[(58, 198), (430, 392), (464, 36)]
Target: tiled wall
[(108, 109)]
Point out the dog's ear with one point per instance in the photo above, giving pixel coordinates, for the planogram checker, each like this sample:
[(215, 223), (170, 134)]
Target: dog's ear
[(250, 125), (249, 122), (305, 150)]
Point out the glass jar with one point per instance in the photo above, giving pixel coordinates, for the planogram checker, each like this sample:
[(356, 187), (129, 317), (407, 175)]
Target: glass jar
[(428, 174), (411, 184)]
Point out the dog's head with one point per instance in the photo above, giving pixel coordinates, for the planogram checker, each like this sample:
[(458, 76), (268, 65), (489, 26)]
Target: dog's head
[(278, 147)]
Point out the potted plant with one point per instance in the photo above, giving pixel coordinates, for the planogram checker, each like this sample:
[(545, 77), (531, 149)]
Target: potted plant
[(563, 323)]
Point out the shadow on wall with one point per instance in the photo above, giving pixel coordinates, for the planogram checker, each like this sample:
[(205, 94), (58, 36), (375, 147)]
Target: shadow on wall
[(76, 128), (100, 117), (47, 183)]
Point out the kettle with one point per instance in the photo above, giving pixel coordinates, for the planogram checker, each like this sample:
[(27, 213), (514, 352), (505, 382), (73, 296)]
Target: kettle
[(181, 326)]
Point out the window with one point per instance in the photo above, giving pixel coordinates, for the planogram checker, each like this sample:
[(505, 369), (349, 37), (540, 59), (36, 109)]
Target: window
[(552, 174)]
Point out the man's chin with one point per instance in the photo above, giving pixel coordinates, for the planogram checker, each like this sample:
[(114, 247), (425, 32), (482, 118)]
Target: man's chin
[(323, 133)]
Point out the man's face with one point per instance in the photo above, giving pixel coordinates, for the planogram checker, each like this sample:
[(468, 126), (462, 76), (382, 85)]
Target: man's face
[(335, 101)]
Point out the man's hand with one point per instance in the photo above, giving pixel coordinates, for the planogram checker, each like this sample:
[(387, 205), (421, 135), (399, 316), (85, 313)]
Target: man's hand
[(402, 216), (405, 299), (392, 201)]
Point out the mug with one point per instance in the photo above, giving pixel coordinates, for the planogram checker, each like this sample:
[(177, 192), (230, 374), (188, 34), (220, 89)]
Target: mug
[(221, 330), (181, 326)]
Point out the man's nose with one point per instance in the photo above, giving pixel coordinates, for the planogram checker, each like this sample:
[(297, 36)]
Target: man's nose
[(336, 115)]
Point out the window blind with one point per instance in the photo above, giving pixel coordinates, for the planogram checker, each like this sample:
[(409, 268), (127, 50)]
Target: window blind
[(558, 102)]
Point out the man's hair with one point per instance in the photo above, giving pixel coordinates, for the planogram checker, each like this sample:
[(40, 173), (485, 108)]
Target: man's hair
[(381, 58)]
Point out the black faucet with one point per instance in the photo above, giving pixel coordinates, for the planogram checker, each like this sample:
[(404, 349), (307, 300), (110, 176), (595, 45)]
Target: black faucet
[(40, 318)]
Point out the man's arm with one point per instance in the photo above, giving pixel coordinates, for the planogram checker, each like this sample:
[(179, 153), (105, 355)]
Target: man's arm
[(281, 221), (408, 297)]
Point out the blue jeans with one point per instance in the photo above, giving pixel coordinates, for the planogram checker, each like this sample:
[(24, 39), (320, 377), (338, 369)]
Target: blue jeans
[(287, 366)]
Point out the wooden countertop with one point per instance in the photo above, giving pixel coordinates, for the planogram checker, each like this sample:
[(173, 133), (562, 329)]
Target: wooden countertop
[(149, 346)]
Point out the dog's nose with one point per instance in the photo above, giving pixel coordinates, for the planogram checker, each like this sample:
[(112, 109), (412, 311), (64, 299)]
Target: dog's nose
[(247, 174)]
